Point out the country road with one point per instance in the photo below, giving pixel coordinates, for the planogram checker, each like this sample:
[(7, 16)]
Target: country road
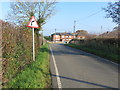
[(72, 68)]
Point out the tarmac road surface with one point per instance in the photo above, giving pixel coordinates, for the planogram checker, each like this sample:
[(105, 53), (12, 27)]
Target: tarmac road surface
[(73, 68)]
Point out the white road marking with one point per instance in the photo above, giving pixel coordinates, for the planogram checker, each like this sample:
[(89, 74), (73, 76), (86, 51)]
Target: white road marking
[(56, 70)]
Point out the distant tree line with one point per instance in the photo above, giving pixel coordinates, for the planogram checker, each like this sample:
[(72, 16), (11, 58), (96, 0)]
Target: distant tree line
[(49, 38)]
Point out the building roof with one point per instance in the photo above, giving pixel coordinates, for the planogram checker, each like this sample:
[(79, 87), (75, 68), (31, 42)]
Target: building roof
[(56, 34), (68, 34)]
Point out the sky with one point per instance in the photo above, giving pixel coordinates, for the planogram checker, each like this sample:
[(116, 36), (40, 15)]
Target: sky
[(89, 16)]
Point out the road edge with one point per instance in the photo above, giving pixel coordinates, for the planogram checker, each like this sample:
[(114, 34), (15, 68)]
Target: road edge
[(56, 69)]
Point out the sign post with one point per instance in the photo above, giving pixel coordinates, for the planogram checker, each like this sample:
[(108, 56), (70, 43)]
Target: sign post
[(33, 24), (33, 46)]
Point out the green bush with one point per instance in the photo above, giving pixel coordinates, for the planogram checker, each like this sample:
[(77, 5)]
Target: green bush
[(107, 48), (16, 49), (36, 74)]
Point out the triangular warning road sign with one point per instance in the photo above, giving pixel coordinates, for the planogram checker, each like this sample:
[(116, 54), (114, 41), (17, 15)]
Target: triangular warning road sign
[(33, 23)]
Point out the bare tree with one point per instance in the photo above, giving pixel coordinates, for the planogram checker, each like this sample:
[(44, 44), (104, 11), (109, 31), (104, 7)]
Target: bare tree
[(22, 11), (113, 11)]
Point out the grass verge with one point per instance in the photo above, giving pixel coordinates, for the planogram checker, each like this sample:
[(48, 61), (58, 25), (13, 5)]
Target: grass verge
[(100, 52), (36, 74)]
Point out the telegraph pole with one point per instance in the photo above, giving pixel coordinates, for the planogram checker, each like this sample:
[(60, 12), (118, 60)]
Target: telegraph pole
[(74, 30), (101, 31), (55, 34)]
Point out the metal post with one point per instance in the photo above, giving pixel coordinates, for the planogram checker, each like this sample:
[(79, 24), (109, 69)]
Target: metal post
[(74, 30), (33, 46)]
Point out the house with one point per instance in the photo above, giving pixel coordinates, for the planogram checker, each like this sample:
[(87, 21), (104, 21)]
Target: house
[(84, 32), (62, 37), (66, 37), (80, 36), (56, 37)]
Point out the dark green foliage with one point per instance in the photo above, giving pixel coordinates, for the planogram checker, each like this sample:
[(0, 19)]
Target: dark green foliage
[(48, 38)]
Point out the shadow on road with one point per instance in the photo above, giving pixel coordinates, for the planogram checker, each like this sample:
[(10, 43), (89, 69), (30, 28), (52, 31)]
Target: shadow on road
[(68, 51), (80, 81), (86, 82)]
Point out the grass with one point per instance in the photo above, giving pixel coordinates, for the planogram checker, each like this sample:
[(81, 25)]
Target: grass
[(34, 75), (105, 53)]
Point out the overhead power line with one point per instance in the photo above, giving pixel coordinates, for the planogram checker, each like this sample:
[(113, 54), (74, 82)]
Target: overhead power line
[(94, 13)]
